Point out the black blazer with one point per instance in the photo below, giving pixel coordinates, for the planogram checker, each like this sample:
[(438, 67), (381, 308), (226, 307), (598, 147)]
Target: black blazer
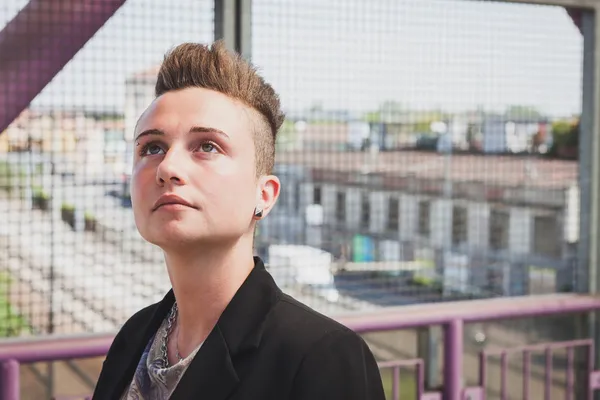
[(265, 346)]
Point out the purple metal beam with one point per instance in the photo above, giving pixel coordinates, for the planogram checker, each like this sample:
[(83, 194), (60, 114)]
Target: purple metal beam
[(55, 348), (570, 373), (453, 360), (470, 311), (11, 380), (39, 42)]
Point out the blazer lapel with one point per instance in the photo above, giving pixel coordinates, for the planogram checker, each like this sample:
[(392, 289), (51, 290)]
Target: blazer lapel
[(215, 371), (211, 375)]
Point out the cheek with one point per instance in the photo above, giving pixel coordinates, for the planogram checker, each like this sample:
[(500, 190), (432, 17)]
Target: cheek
[(141, 180), (235, 191)]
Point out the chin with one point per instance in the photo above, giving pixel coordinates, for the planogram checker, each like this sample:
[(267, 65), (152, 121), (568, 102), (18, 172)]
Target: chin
[(179, 236), (175, 238)]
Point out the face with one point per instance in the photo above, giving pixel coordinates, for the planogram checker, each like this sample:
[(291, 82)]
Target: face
[(194, 178)]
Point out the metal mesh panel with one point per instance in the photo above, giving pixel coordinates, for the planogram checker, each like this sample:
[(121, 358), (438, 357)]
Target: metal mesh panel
[(429, 151), (428, 154), (71, 259)]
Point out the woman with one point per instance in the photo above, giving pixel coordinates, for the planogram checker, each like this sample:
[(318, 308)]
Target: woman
[(205, 149)]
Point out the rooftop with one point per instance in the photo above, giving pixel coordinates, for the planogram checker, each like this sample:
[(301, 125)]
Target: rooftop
[(502, 170)]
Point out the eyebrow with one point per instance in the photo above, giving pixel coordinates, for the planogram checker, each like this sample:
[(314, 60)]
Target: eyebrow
[(194, 129)]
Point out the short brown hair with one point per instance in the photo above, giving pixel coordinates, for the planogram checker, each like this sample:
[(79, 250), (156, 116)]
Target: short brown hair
[(216, 68)]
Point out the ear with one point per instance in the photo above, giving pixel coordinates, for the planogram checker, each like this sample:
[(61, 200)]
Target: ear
[(267, 193)]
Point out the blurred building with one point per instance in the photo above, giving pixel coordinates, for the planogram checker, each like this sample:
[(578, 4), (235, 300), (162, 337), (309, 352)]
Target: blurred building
[(487, 211)]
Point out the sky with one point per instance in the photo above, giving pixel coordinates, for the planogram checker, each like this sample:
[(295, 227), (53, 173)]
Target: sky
[(349, 54)]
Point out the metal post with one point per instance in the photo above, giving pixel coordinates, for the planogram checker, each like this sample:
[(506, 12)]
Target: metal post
[(453, 360), (587, 171), (589, 180), (245, 28), (588, 279), (233, 25), (10, 380), (428, 340), (585, 273), (224, 14)]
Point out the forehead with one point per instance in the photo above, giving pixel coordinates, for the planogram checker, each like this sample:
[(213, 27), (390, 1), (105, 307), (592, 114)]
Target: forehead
[(178, 111)]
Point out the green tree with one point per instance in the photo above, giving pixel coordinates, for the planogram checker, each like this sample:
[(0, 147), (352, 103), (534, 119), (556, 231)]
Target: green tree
[(522, 112), (373, 116), (565, 135)]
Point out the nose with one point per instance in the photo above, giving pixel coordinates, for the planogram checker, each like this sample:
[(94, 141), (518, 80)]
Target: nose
[(172, 168)]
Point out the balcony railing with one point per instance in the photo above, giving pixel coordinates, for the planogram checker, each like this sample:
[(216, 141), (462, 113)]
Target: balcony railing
[(451, 316)]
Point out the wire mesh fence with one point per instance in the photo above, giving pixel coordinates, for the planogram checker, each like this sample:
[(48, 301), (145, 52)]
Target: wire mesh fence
[(71, 258), (429, 153)]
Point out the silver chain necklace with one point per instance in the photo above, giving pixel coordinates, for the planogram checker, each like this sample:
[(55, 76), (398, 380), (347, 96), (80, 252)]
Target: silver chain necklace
[(171, 319)]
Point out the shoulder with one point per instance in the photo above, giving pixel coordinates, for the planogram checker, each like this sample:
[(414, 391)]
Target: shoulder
[(307, 322), (303, 329), (334, 362)]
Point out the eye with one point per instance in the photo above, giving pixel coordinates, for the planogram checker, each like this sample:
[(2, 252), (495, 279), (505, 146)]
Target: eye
[(207, 147), (151, 149)]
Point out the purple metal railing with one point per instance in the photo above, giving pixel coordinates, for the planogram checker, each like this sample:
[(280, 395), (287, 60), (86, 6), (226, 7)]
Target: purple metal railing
[(452, 316), (526, 352), (15, 352), (395, 366)]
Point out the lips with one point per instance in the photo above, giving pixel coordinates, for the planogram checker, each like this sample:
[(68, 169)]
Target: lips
[(166, 199)]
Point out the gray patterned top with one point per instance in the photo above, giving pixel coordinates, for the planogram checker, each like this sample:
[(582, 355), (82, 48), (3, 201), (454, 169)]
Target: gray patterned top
[(151, 381)]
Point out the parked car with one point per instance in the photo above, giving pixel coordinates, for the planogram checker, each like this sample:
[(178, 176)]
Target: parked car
[(427, 141)]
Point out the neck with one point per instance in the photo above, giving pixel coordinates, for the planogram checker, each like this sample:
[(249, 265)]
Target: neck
[(204, 281)]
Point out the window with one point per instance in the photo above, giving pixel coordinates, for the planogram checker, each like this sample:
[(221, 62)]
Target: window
[(546, 240), (297, 191), (393, 220), (340, 207), (424, 218), (365, 211), (499, 220), (459, 225), (316, 195)]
